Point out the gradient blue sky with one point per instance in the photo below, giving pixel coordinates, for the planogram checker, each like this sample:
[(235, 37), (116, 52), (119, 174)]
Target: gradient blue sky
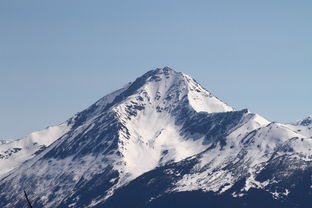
[(58, 57)]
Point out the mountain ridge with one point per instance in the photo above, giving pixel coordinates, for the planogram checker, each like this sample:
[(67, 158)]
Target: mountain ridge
[(163, 118)]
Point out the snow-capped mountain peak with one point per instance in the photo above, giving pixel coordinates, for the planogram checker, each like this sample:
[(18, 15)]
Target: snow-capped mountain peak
[(168, 87), (164, 129), (165, 88)]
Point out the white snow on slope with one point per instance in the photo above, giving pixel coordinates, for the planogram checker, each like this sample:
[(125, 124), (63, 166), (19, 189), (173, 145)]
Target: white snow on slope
[(154, 136), (156, 142), (303, 127), (151, 138), (249, 123), (252, 148), (201, 100), (14, 153)]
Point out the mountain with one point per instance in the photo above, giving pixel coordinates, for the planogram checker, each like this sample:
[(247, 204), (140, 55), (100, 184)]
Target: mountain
[(14, 153), (162, 141), (303, 126)]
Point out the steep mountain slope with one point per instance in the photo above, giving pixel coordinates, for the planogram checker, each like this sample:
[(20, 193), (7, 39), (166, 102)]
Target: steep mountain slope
[(162, 135), (14, 153), (270, 163)]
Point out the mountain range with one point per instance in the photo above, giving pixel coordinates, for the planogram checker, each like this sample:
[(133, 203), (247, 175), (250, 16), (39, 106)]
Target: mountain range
[(160, 141)]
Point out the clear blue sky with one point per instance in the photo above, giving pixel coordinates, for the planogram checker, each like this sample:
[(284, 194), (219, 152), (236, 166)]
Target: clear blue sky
[(58, 57)]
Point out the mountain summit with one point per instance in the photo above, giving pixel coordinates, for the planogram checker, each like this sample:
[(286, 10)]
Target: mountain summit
[(163, 136)]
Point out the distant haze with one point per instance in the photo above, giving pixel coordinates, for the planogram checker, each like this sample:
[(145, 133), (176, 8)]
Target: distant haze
[(58, 57)]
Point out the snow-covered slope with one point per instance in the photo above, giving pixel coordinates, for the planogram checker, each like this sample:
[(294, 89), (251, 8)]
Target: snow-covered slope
[(267, 166), (251, 153), (303, 127), (162, 124), (14, 153)]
